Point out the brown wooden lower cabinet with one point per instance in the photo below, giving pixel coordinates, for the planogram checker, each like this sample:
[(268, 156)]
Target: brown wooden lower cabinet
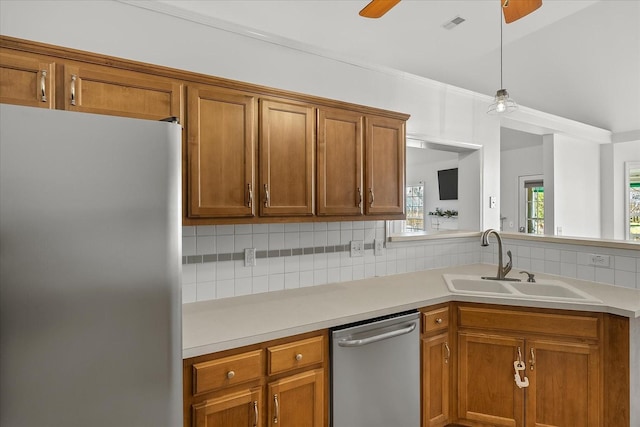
[(276, 383)]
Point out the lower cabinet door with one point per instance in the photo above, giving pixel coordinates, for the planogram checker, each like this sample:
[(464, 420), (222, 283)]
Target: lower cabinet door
[(436, 368), (239, 409), (297, 401), (487, 393), (564, 384)]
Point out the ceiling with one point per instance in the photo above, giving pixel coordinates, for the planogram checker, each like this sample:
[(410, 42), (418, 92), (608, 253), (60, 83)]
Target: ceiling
[(572, 58)]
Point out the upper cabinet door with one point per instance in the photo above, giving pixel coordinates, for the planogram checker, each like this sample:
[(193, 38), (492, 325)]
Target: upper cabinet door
[(287, 148), (26, 80), (385, 151), (103, 90), (340, 137), (220, 153)]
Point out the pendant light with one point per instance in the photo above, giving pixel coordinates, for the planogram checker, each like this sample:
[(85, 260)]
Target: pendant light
[(502, 103)]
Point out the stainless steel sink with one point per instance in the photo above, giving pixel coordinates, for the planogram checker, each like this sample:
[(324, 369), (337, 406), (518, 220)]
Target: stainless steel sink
[(543, 289)]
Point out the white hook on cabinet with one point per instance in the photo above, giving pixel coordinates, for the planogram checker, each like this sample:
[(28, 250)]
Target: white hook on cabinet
[(520, 366)]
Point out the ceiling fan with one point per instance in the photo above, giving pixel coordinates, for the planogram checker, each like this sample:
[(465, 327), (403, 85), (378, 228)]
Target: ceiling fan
[(512, 9)]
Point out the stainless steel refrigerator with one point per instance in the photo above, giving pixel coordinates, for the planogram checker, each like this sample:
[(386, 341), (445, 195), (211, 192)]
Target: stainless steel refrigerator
[(90, 267)]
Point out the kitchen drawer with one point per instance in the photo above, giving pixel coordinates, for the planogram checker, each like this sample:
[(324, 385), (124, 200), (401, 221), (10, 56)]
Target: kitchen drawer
[(435, 320), (294, 355), (529, 322), (214, 374)]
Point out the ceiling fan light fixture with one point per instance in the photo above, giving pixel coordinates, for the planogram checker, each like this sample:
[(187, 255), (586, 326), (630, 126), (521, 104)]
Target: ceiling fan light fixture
[(502, 103)]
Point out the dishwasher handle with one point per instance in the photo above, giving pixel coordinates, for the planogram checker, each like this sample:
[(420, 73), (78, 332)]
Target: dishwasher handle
[(376, 338)]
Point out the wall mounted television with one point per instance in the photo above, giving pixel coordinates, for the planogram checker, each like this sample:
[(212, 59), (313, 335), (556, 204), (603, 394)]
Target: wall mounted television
[(448, 184)]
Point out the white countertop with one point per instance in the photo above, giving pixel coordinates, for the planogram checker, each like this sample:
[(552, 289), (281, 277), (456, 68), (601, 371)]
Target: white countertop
[(211, 326)]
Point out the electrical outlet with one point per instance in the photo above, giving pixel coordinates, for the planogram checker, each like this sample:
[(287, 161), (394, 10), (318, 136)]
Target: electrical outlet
[(250, 257), (378, 247), (599, 260), (357, 248)]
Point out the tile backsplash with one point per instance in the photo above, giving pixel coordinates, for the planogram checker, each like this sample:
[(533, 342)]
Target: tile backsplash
[(309, 254)]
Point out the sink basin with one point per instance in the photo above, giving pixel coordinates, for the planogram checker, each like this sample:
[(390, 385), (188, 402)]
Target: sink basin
[(543, 289), (478, 285)]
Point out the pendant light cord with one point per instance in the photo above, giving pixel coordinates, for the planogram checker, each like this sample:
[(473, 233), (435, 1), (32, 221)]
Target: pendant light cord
[(501, 86)]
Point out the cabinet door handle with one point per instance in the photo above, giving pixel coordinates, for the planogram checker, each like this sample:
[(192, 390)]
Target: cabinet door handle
[(43, 86), (266, 195), (519, 356), (250, 202), (371, 197), (359, 197), (255, 413), (448, 352), (532, 361), (277, 406), (73, 89)]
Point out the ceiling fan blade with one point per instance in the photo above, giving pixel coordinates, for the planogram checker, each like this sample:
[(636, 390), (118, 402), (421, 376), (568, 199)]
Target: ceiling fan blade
[(377, 8), (516, 9)]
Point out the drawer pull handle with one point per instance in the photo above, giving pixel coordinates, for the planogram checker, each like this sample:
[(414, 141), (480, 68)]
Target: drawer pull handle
[(277, 405), (255, 413), (73, 89), (43, 86), (438, 320), (231, 374), (299, 357)]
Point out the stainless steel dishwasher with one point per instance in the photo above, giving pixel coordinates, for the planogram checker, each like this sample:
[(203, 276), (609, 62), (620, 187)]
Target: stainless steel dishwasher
[(375, 373)]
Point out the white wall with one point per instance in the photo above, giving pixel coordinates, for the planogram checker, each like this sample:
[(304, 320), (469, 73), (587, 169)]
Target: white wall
[(576, 184), (514, 164)]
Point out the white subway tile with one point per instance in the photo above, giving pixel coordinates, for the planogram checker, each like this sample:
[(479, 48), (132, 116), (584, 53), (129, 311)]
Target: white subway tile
[(568, 269), (243, 229), (189, 273), (369, 270), (333, 275), (552, 267), (537, 265), (357, 225), (569, 257), (333, 226), (346, 236), (276, 265), (243, 286), (586, 272), (225, 270), (276, 240), (358, 272), (241, 271), (524, 251), (292, 264), (260, 228), (625, 278), (189, 293), (306, 262), (205, 245), (319, 226), (225, 288), (206, 230), (306, 278), (333, 260), (276, 228), (292, 240), (537, 253), (224, 230), (306, 226), (320, 238), (346, 274), (381, 268), (624, 263), (225, 244), (320, 261), (605, 275), (188, 230), (260, 284), (319, 277), (261, 242), (206, 291), (206, 272), (584, 258), (346, 225), (292, 227), (261, 268), (357, 234), (189, 245), (401, 265), (276, 282), (292, 280), (333, 237), (242, 242), (306, 239)]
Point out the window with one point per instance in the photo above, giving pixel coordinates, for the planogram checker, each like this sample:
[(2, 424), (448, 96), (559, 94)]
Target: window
[(632, 172), (534, 207), (415, 208)]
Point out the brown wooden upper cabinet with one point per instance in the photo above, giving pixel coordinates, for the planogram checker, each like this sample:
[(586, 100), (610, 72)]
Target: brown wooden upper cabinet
[(287, 155), (384, 166), (27, 80), (340, 177), (221, 152), (105, 90)]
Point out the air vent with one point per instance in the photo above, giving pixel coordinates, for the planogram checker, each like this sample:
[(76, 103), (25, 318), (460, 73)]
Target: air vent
[(451, 24)]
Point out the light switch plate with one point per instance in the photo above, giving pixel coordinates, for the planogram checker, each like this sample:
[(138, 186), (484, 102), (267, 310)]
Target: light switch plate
[(378, 247), (492, 202), (599, 260)]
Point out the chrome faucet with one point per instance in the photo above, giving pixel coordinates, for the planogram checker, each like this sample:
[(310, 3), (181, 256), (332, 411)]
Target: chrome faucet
[(502, 271)]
